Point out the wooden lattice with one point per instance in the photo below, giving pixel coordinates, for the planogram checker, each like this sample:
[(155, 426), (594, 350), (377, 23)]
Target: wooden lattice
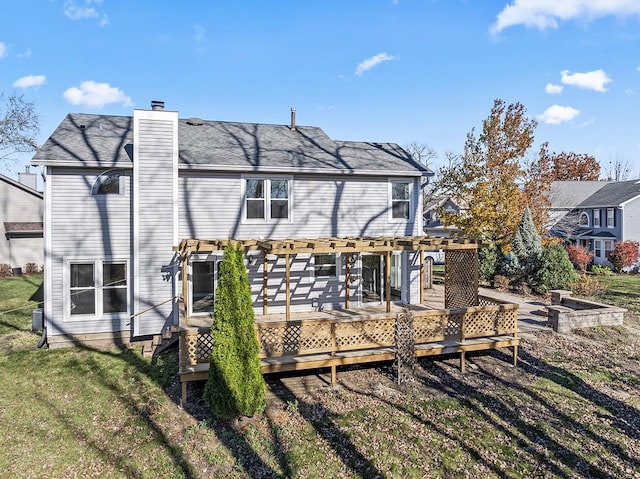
[(299, 338), (460, 278), (405, 343), (429, 327), (205, 346), (365, 333), (282, 339)]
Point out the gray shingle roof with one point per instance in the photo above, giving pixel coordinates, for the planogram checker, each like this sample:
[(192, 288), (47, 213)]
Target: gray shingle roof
[(107, 141), (613, 194), (570, 194)]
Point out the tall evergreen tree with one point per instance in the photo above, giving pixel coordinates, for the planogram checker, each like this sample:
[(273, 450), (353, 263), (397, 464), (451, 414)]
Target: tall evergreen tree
[(526, 249), (235, 386)]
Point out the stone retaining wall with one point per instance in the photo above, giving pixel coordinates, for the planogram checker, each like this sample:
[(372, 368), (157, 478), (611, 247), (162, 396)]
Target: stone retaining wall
[(567, 313)]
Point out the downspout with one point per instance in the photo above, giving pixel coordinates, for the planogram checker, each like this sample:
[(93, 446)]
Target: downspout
[(43, 339)]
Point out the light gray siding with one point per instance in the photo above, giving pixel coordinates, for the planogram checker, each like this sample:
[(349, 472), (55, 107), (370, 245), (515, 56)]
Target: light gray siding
[(631, 220), (212, 207), (18, 205), (155, 181), (84, 227)]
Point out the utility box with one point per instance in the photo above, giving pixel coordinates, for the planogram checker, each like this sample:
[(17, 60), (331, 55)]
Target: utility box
[(37, 320)]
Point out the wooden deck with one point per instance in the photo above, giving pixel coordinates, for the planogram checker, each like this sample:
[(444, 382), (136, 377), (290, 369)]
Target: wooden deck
[(341, 337)]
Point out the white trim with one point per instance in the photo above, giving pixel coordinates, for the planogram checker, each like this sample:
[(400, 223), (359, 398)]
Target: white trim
[(48, 260), (267, 199), (390, 217), (98, 264), (201, 258), (613, 218), (135, 204), (599, 216), (586, 215), (338, 266)]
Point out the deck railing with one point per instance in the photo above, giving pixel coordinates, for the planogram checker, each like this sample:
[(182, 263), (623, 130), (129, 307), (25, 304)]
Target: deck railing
[(316, 336)]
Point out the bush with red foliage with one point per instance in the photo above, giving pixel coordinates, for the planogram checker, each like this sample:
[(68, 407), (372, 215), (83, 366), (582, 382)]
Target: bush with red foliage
[(579, 256), (624, 254)]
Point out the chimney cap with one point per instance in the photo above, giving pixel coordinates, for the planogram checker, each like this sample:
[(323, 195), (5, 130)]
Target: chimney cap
[(157, 105)]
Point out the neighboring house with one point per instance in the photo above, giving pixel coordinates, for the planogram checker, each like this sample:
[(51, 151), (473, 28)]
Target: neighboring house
[(21, 210), (596, 214), (433, 225), (122, 192)]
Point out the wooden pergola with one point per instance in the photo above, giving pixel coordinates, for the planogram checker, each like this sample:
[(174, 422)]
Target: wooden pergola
[(461, 260)]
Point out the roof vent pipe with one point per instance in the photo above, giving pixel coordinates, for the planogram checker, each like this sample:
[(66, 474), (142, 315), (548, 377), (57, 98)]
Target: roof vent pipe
[(293, 119), (157, 105)]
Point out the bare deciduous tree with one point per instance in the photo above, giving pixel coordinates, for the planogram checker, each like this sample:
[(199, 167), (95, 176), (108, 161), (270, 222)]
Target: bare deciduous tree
[(617, 170), (19, 126)]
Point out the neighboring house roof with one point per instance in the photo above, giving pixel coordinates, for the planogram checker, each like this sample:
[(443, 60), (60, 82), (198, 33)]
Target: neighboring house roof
[(592, 194), (570, 194), (18, 229), (613, 194), (106, 141), (19, 185)]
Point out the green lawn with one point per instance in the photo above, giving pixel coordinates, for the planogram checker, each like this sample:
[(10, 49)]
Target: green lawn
[(570, 410), (623, 291)]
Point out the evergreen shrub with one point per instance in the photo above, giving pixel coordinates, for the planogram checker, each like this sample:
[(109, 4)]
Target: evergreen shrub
[(555, 270), (235, 386)]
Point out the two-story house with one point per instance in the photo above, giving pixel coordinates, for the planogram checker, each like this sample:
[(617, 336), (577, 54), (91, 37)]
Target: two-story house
[(596, 214), (21, 210), (122, 192)]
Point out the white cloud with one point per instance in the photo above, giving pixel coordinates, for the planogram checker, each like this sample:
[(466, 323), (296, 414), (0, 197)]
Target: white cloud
[(543, 14), (3, 50), (326, 108), (26, 54), (553, 89), (595, 80), (556, 114), (369, 63), (96, 95), (85, 11), (629, 91), (29, 81)]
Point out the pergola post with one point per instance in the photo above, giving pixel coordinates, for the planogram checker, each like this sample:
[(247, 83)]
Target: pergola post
[(347, 276), (185, 288), (265, 283), (287, 278), (387, 280), (421, 277)]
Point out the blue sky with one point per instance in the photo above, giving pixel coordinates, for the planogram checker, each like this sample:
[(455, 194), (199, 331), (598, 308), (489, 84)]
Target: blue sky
[(402, 71)]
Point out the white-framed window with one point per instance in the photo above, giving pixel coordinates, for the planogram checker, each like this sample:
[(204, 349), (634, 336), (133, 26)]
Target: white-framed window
[(611, 218), (583, 219), (96, 288), (267, 199), (608, 247), (203, 279), (110, 182), (596, 218), (325, 265), (400, 200), (597, 248)]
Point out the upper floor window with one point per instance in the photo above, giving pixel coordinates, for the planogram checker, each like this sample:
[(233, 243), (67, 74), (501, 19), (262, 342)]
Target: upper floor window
[(267, 199), (400, 199), (108, 183), (596, 218), (583, 220), (611, 219)]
